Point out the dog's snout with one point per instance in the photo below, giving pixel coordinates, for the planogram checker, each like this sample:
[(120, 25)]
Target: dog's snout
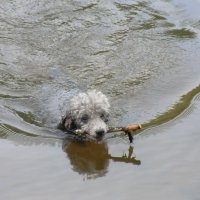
[(100, 133)]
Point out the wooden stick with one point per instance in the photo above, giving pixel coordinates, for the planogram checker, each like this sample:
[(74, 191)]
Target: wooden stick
[(126, 129), (129, 128)]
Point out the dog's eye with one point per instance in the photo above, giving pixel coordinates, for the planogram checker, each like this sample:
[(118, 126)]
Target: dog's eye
[(104, 117), (85, 118)]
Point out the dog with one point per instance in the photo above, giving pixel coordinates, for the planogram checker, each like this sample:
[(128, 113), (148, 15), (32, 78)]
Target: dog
[(88, 112)]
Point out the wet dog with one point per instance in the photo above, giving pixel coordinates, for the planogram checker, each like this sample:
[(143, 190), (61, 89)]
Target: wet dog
[(89, 112)]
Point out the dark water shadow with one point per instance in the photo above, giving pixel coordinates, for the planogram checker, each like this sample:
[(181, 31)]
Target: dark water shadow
[(91, 159), (182, 33), (185, 102)]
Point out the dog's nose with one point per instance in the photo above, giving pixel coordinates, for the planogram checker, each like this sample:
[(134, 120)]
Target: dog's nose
[(100, 133)]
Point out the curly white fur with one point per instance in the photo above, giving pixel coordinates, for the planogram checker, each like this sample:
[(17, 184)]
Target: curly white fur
[(88, 111)]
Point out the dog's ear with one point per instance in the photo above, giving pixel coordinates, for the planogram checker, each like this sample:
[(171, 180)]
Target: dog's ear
[(66, 122)]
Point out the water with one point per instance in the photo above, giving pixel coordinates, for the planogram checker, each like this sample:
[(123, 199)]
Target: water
[(144, 55)]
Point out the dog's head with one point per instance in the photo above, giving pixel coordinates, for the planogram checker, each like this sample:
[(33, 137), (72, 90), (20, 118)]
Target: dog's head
[(89, 112)]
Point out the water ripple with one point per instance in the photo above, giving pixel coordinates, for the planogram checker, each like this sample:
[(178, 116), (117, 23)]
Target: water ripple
[(181, 110)]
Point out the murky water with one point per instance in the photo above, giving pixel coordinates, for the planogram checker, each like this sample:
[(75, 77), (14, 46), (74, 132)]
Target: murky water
[(144, 55)]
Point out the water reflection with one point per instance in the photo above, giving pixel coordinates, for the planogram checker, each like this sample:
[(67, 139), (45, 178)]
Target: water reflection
[(91, 159), (126, 158)]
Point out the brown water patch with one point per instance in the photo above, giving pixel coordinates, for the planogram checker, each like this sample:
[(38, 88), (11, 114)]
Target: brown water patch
[(94, 163)]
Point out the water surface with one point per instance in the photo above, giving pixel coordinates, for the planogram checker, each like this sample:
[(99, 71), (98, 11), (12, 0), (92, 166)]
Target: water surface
[(144, 55)]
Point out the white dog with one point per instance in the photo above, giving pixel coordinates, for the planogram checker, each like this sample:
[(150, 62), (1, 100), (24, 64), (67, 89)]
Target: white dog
[(89, 112)]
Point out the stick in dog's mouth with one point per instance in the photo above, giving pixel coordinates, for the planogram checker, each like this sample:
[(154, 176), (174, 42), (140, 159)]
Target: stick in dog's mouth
[(126, 129)]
